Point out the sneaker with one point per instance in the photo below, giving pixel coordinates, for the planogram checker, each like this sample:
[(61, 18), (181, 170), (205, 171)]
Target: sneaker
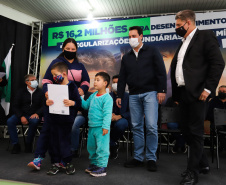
[(70, 169), (36, 163), (62, 164), (151, 166), (91, 168), (114, 152), (16, 149), (133, 163), (99, 172), (53, 170)]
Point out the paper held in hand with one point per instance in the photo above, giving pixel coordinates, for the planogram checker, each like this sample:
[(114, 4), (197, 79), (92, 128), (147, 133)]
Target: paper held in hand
[(58, 93), (2, 74)]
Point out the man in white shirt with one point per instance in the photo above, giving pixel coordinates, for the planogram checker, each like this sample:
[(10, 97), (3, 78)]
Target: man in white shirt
[(195, 73)]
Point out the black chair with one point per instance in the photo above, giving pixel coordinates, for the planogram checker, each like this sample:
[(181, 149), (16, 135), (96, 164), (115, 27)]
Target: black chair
[(219, 120), (128, 139), (166, 115), (83, 137)]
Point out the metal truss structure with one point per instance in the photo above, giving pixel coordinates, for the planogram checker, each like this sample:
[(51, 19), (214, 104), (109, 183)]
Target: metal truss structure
[(35, 48)]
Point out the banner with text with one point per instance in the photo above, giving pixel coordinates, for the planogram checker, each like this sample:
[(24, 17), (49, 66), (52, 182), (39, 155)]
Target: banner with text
[(102, 43)]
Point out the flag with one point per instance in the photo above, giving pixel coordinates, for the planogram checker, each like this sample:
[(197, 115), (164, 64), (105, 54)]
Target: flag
[(6, 91)]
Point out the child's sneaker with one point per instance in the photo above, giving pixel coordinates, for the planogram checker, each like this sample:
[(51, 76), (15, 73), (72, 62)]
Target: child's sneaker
[(62, 164), (70, 169), (91, 168), (99, 172), (53, 170), (36, 163)]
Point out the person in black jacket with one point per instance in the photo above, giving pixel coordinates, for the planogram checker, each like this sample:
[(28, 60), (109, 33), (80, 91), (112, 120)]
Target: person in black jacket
[(3, 82), (60, 124), (144, 71), (28, 110), (195, 73)]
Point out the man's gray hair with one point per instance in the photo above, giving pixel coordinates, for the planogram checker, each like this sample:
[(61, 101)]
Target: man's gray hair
[(26, 77), (185, 15)]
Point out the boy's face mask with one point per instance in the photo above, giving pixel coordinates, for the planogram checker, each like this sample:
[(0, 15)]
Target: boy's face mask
[(58, 79)]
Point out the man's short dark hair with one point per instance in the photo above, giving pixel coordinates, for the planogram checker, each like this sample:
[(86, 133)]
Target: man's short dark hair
[(26, 77), (184, 15), (138, 28), (115, 76), (60, 66), (105, 76)]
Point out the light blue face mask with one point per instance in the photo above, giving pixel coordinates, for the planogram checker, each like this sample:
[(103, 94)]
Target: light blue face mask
[(34, 84)]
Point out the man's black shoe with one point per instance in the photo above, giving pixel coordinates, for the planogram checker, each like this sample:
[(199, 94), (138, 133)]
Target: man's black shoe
[(190, 178), (133, 163), (16, 149), (184, 173), (204, 170), (151, 166)]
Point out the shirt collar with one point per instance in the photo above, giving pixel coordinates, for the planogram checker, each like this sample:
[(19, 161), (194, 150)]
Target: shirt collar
[(139, 48), (190, 35), (30, 91)]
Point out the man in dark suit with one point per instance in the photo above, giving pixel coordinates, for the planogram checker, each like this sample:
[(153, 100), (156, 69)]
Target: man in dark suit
[(120, 118), (195, 73)]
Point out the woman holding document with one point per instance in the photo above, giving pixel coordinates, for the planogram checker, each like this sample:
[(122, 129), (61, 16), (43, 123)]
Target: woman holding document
[(77, 74)]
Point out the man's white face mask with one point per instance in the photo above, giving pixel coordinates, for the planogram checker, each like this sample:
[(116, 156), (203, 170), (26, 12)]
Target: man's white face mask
[(114, 87), (133, 42)]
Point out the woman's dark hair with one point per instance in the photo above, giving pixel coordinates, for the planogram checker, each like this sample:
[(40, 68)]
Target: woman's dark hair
[(68, 40)]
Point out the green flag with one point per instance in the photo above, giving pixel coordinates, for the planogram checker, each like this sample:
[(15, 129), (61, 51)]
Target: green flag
[(6, 91)]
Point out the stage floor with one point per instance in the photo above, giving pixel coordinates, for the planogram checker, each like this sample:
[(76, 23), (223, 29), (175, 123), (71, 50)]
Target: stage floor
[(14, 167)]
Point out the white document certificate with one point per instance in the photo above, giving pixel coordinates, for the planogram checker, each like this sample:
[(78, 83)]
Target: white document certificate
[(2, 74), (58, 93)]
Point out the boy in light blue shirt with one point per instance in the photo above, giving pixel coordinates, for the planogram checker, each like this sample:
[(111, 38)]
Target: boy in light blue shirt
[(100, 106)]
